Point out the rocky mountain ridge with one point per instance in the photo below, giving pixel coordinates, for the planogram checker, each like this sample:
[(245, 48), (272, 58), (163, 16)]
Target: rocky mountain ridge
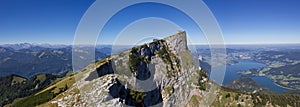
[(160, 73)]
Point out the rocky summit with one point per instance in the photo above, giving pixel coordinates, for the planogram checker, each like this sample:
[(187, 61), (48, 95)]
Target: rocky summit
[(160, 73)]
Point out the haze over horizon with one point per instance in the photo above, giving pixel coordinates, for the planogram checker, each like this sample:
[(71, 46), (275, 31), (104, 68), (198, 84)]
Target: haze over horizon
[(242, 22)]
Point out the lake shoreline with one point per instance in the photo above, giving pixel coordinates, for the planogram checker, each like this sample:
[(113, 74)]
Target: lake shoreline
[(247, 64)]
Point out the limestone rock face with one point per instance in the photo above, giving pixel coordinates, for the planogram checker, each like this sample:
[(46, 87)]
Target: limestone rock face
[(160, 73), (177, 42)]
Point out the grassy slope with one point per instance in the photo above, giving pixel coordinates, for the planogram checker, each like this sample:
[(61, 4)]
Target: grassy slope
[(14, 86), (232, 98), (52, 91), (46, 94)]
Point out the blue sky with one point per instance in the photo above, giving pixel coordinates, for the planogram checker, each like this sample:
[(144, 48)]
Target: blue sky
[(258, 21), (40, 21), (241, 21)]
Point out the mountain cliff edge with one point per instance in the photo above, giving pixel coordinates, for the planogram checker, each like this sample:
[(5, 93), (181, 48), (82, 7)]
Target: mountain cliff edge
[(160, 73)]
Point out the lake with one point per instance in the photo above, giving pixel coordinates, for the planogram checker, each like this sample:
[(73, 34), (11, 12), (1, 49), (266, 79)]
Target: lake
[(243, 65)]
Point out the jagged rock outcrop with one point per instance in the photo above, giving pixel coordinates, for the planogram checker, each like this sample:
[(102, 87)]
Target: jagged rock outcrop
[(160, 73)]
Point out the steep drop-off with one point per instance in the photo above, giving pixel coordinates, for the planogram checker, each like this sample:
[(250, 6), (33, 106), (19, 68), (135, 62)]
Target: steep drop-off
[(161, 73)]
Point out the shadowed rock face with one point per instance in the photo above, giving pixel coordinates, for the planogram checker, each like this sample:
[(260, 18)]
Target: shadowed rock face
[(143, 71), (104, 69), (118, 90), (162, 73)]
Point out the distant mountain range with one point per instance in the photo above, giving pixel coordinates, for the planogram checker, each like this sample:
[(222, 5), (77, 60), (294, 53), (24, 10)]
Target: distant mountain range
[(32, 46), (28, 60)]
